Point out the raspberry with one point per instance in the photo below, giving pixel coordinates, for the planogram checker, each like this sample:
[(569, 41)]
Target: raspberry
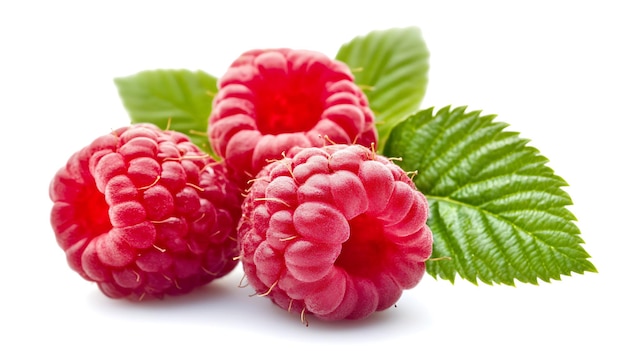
[(337, 232), (144, 213), (270, 101)]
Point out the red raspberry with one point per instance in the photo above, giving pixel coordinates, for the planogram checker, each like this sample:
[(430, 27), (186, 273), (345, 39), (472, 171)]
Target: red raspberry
[(338, 232), (144, 213), (272, 100)]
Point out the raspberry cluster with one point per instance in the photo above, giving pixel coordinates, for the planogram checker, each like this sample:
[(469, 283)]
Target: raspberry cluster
[(337, 232), (270, 101), (321, 223), (145, 213)]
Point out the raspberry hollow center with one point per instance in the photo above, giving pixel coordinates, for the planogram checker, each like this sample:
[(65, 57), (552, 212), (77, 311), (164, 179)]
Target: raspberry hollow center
[(293, 109), (367, 250), (93, 210)]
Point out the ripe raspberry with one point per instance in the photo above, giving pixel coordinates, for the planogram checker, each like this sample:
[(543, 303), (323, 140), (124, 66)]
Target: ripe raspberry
[(338, 232), (143, 213), (272, 100)]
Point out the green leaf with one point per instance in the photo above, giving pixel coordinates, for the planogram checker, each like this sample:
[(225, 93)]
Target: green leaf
[(180, 100), (391, 66), (496, 210)]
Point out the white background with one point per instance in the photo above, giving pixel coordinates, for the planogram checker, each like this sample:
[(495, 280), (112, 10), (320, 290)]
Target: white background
[(553, 70)]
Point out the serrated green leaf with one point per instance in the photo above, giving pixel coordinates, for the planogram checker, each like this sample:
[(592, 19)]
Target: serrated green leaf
[(496, 210), (180, 100), (391, 66)]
